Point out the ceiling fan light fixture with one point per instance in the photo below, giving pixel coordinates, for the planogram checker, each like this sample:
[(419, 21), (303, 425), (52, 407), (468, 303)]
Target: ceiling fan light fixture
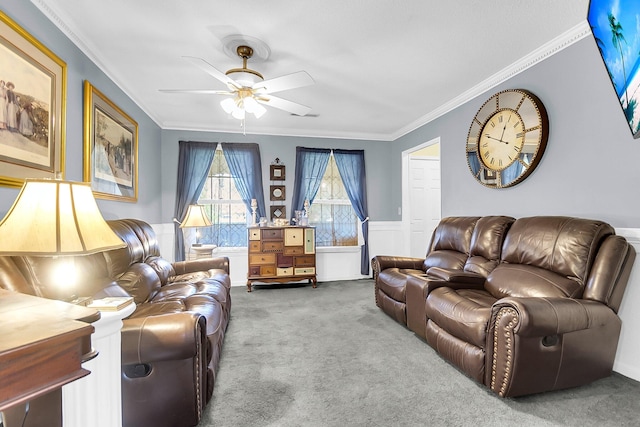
[(252, 106), (228, 105), (238, 113), (245, 76)]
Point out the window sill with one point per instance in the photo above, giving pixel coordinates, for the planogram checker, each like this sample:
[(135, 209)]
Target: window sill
[(319, 249), (338, 249)]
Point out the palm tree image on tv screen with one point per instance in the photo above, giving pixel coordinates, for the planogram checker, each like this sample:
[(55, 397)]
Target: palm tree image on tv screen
[(614, 24)]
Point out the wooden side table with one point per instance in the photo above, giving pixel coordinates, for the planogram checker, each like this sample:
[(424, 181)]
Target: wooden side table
[(43, 345)]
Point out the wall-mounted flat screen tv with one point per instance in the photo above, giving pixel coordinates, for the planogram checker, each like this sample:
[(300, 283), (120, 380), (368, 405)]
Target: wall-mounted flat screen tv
[(616, 29)]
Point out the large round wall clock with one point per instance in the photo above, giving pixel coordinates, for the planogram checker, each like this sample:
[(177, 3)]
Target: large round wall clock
[(507, 138)]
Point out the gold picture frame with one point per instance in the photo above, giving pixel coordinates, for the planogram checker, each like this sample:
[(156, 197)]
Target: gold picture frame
[(33, 92), (110, 148)]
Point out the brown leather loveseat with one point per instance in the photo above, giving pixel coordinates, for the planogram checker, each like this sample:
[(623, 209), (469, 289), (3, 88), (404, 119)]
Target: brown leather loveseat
[(171, 343), (520, 305)]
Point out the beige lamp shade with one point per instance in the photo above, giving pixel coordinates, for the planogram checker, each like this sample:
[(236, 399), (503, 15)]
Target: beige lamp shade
[(52, 217), (195, 217)]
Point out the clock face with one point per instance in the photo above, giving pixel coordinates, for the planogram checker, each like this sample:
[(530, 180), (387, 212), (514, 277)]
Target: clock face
[(501, 140), (507, 138)]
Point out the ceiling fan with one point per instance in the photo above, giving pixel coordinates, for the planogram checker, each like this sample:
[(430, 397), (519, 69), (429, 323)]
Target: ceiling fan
[(247, 90)]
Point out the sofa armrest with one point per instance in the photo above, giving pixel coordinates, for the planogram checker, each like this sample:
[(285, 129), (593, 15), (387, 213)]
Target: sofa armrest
[(387, 261), (452, 275), (205, 264), (542, 344), (171, 336), (539, 317)]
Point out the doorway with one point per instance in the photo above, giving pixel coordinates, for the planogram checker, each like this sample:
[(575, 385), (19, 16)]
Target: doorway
[(421, 196)]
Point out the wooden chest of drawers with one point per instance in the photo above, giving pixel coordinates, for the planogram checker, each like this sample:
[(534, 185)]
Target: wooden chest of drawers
[(281, 254)]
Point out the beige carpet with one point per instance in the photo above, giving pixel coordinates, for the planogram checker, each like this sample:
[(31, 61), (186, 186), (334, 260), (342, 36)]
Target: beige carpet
[(297, 356)]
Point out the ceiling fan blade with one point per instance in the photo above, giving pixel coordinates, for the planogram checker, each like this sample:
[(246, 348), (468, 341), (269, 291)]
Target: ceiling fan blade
[(283, 104), (203, 91), (213, 71), (288, 81)]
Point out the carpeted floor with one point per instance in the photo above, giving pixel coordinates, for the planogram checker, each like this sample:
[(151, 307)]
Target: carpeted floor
[(297, 356)]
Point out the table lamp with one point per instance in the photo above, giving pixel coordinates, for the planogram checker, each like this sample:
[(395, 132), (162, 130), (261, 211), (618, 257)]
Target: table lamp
[(196, 217), (54, 218)]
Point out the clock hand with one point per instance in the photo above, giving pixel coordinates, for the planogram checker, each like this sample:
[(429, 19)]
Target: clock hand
[(504, 142)]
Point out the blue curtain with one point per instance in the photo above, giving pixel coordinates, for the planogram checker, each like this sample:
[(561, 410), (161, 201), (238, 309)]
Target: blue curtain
[(311, 164), (194, 162), (350, 164), (514, 171), (246, 168)]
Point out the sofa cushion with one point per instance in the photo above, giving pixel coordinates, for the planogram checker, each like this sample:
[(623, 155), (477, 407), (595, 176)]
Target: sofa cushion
[(140, 281), (450, 243), (463, 313), (518, 280), (563, 245), (392, 281), (162, 267), (486, 244)]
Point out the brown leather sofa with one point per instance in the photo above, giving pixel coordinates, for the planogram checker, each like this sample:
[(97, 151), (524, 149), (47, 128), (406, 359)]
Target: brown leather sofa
[(171, 343), (522, 306)]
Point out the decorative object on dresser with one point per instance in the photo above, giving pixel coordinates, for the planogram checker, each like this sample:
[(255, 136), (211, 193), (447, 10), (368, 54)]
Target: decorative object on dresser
[(507, 138), (281, 254)]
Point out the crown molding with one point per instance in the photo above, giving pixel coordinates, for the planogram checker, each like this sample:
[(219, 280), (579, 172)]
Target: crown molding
[(60, 19), (554, 46)]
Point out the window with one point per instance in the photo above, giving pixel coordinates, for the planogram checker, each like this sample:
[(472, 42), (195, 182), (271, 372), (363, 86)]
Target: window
[(331, 212), (224, 206)]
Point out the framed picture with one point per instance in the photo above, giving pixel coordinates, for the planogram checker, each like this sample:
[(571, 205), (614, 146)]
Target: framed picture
[(278, 211), (277, 192), (32, 107), (110, 148), (277, 173)]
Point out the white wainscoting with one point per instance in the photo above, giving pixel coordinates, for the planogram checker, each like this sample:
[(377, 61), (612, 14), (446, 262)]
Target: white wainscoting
[(626, 362), (386, 238)]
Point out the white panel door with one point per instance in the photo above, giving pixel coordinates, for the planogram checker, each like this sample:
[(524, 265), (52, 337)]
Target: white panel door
[(424, 207)]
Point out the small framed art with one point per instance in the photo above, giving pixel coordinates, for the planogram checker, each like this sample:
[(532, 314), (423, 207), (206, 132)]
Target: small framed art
[(110, 148), (277, 173), (277, 192), (278, 212)]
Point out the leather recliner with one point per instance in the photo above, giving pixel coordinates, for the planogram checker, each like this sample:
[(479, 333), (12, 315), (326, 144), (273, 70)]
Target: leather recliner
[(540, 317)]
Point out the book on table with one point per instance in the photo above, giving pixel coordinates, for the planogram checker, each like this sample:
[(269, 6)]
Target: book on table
[(111, 303)]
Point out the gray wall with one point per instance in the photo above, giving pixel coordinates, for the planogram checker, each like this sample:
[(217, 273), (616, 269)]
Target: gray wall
[(377, 164), (589, 169), (80, 68)]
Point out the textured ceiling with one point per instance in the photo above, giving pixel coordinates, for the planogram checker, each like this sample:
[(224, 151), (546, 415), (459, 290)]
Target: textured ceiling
[(381, 67)]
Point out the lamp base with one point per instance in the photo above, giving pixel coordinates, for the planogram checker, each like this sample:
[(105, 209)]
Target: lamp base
[(196, 245)]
